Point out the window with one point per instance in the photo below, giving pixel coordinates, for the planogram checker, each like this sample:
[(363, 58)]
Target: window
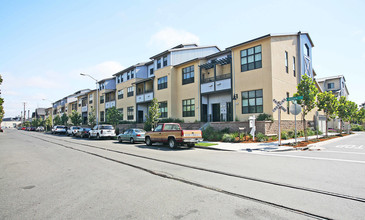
[(128, 75), (91, 99), (101, 99), (287, 103), (165, 60), (158, 128), (163, 109), (84, 102), (252, 102), (130, 91), (286, 62), (162, 83), (171, 127), (120, 110), (74, 107), (188, 108), (294, 67), (307, 49), (80, 101), (251, 58), (188, 75), (151, 71), (110, 97), (132, 74), (102, 116), (130, 111), (120, 94), (159, 63), (331, 85)]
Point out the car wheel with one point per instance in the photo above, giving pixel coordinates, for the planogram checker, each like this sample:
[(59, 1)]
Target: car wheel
[(190, 145), (172, 143), (131, 140), (120, 139), (148, 141)]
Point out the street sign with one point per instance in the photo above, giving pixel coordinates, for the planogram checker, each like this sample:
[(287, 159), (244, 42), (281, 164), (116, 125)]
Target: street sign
[(295, 109), (294, 98), (279, 105)]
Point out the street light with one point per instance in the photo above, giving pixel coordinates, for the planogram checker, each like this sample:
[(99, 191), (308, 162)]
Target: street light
[(97, 96)]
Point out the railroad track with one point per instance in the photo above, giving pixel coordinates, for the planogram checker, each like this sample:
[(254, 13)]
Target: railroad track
[(164, 175)]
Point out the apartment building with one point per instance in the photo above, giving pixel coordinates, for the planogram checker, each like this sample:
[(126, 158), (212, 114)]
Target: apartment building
[(86, 103), (335, 84), (196, 83)]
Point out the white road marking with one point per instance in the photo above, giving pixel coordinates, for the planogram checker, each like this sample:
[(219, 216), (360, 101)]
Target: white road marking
[(341, 152), (313, 158), (351, 146)]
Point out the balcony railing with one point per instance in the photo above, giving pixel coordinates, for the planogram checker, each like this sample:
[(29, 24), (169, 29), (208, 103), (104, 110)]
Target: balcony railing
[(218, 77), (145, 92)]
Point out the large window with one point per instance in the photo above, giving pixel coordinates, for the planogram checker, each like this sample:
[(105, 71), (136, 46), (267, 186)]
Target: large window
[(162, 83), (163, 109), (331, 85), (91, 99), (159, 63), (101, 99), (286, 62), (252, 102), (120, 94), (130, 112), (165, 60), (188, 108), (130, 91), (188, 75), (251, 58)]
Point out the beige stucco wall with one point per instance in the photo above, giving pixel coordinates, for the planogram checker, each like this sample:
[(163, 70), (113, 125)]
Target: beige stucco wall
[(253, 79), (168, 94), (126, 101)]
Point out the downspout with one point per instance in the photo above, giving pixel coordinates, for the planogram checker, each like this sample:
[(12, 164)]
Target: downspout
[(299, 52), (231, 92), (233, 86)]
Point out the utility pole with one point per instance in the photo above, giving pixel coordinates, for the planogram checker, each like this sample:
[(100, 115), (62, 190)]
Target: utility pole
[(24, 112)]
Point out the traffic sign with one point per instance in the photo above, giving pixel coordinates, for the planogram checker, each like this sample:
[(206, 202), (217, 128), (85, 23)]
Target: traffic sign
[(295, 109), (294, 98)]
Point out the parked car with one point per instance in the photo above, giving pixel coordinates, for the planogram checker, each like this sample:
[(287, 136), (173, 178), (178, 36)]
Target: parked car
[(172, 134), (23, 128), (83, 132), (102, 131), (72, 130), (1, 130), (40, 129), (59, 129), (132, 135)]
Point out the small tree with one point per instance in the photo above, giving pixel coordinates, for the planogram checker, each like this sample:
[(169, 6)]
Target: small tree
[(113, 116), (360, 116), (346, 111), (309, 91), (153, 115), (57, 120), (92, 117), (48, 122), (328, 103), (64, 119), (75, 118)]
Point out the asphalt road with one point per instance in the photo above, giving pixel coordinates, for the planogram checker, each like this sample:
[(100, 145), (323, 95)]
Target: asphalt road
[(57, 177)]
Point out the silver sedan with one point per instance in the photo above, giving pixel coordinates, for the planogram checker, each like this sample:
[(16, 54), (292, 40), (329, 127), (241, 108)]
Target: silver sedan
[(132, 135)]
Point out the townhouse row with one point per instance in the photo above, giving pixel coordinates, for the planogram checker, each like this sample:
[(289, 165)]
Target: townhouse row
[(203, 83)]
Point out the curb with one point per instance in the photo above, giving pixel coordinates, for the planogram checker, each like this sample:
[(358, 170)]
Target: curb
[(329, 141), (212, 148)]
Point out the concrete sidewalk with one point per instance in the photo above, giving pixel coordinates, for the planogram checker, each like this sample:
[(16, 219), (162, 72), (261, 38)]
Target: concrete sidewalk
[(266, 147)]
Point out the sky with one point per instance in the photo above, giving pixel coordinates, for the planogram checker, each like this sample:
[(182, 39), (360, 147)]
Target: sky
[(45, 45)]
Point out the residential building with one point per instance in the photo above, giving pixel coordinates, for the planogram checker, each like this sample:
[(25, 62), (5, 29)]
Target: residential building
[(106, 97), (335, 84)]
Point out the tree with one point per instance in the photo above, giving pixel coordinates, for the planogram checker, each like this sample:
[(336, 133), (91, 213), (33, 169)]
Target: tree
[(57, 120), (360, 115), (48, 122), (328, 103), (153, 115), (75, 118), (2, 112), (346, 111), (309, 91), (64, 119), (92, 117), (113, 116)]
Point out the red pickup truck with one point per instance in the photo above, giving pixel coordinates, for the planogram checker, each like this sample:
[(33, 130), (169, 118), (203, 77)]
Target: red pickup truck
[(172, 134)]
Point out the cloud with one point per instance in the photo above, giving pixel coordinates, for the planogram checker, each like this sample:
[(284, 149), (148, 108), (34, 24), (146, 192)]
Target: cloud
[(169, 37), (100, 71)]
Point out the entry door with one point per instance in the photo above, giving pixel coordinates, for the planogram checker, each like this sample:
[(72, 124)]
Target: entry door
[(229, 111), (140, 116), (204, 112), (216, 112)]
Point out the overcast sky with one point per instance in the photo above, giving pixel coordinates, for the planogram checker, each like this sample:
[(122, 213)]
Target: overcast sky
[(44, 45)]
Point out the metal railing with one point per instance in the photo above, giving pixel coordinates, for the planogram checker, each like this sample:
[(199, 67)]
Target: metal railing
[(218, 77)]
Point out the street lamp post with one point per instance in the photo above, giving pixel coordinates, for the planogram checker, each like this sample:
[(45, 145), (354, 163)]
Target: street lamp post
[(97, 96)]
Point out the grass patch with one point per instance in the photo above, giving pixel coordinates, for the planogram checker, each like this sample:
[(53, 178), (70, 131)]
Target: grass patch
[(205, 144)]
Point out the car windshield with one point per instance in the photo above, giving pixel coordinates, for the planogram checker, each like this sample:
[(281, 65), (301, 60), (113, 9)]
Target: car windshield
[(61, 127), (139, 131), (106, 127)]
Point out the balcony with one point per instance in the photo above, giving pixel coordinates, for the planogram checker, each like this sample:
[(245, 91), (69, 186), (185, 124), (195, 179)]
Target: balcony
[(144, 97), (110, 104), (218, 83), (84, 108)]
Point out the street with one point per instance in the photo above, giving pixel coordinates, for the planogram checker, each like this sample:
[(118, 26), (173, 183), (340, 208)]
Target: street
[(58, 177)]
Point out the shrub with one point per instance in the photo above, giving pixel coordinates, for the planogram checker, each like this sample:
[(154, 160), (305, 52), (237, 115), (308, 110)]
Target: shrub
[(284, 135), (291, 134), (357, 128), (274, 138), (300, 133), (171, 120), (310, 132), (261, 137), (265, 117), (225, 130), (228, 138)]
